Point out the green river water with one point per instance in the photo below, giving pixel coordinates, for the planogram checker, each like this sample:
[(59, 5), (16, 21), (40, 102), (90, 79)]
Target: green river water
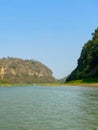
[(48, 108)]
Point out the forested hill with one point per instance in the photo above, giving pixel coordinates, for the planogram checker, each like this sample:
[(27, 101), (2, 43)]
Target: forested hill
[(88, 62), (18, 71)]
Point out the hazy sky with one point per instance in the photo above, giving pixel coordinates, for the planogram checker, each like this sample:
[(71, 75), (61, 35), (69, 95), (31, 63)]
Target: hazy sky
[(50, 31)]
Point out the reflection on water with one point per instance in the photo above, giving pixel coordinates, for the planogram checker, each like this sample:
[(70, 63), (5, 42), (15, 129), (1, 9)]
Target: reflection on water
[(48, 108)]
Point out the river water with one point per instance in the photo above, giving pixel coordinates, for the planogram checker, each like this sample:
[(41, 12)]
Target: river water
[(48, 108)]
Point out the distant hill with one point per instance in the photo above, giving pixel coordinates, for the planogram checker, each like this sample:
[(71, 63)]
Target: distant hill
[(88, 62), (18, 71), (62, 80)]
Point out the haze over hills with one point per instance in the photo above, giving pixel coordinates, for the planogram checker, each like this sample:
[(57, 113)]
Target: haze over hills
[(88, 62), (18, 71)]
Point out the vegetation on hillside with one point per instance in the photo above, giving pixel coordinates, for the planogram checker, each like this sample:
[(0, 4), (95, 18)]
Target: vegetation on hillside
[(87, 67), (19, 71)]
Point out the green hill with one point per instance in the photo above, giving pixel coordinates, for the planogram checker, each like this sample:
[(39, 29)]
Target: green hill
[(19, 71), (87, 67)]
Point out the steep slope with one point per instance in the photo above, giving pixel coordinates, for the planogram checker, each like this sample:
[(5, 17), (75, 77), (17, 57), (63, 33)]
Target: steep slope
[(88, 62), (15, 70)]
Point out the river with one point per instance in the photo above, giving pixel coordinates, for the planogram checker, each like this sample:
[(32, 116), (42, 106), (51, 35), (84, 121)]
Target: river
[(48, 108)]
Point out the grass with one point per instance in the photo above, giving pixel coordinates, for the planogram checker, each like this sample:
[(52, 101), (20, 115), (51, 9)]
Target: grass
[(83, 82)]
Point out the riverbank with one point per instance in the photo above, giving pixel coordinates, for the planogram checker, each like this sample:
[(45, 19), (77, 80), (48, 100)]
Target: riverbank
[(54, 84), (70, 84)]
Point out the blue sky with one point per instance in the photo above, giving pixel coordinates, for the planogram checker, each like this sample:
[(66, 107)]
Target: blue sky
[(50, 31)]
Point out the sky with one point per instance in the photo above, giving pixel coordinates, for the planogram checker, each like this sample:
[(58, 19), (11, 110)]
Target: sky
[(50, 31)]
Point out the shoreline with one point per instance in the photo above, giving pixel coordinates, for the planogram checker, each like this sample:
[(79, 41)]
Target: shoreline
[(53, 84), (71, 84)]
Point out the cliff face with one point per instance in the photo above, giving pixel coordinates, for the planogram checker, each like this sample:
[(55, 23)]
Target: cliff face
[(15, 70), (88, 62)]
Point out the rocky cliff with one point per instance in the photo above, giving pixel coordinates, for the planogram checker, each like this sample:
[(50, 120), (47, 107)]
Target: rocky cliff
[(15, 70)]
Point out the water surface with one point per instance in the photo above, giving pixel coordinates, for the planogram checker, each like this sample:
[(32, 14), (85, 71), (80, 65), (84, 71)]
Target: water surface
[(48, 108)]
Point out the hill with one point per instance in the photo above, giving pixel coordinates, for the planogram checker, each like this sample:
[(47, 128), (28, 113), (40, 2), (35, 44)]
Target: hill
[(88, 62), (62, 80), (19, 71)]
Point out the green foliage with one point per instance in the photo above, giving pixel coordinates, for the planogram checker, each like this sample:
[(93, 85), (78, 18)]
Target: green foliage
[(90, 80), (88, 62), (19, 71)]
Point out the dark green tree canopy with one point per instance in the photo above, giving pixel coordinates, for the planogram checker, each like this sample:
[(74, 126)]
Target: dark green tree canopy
[(88, 62)]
